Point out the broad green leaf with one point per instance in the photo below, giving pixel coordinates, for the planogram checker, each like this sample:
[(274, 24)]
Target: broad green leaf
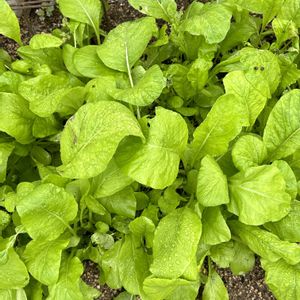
[(110, 266), (282, 131), (156, 162), (198, 73), (178, 75), (289, 71), (94, 205), (13, 273), (125, 44), (46, 211), (248, 151), (159, 9), (258, 195), (88, 292), (13, 295), (266, 244), (143, 227), (170, 289), (252, 90), (214, 288), (243, 260), (44, 127), (222, 254), (175, 243), (122, 203), (262, 63), (269, 8), (212, 21), (5, 151), (91, 137), (44, 93), (45, 40), (9, 82), (84, 11), (289, 177), (282, 279), (16, 118), (288, 227), (68, 56), (88, 64), (68, 285), (144, 91), (111, 181), (219, 127), (9, 25), (133, 265), (214, 227), (42, 259), (212, 189), (290, 11), (52, 57), (284, 30)]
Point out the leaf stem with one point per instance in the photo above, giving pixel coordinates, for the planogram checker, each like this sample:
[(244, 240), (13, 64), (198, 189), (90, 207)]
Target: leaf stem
[(128, 66)]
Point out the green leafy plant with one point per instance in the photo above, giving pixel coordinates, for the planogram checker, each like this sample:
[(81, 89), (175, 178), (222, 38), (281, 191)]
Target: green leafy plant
[(155, 152)]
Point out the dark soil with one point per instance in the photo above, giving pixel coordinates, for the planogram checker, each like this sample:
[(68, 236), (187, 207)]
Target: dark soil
[(247, 287)]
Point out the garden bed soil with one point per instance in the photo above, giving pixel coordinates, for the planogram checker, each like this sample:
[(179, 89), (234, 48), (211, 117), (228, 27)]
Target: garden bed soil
[(250, 286)]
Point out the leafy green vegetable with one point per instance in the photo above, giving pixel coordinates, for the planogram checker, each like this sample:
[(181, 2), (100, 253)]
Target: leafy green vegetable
[(169, 146)]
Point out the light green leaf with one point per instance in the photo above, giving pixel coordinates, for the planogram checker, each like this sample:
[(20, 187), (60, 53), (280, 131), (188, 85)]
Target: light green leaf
[(46, 211), (13, 273), (13, 295), (133, 265), (111, 181), (9, 25), (282, 131), (222, 254), (266, 244), (170, 289), (212, 189), (159, 9), (110, 266), (175, 243), (282, 279), (91, 137), (212, 21), (125, 44), (290, 11), (94, 205), (43, 127), (87, 62), (214, 288), (289, 177), (214, 227), (122, 203), (243, 260), (248, 151), (178, 75), (5, 151), (16, 119), (284, 30), (44, 93), (289, 71), (68, 285), (45, 40), (288, 227), (219, 127), (144, 91), (251, 89), (43, 258), (156, 162), (258, 195), (198, 73), (84, 11)]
